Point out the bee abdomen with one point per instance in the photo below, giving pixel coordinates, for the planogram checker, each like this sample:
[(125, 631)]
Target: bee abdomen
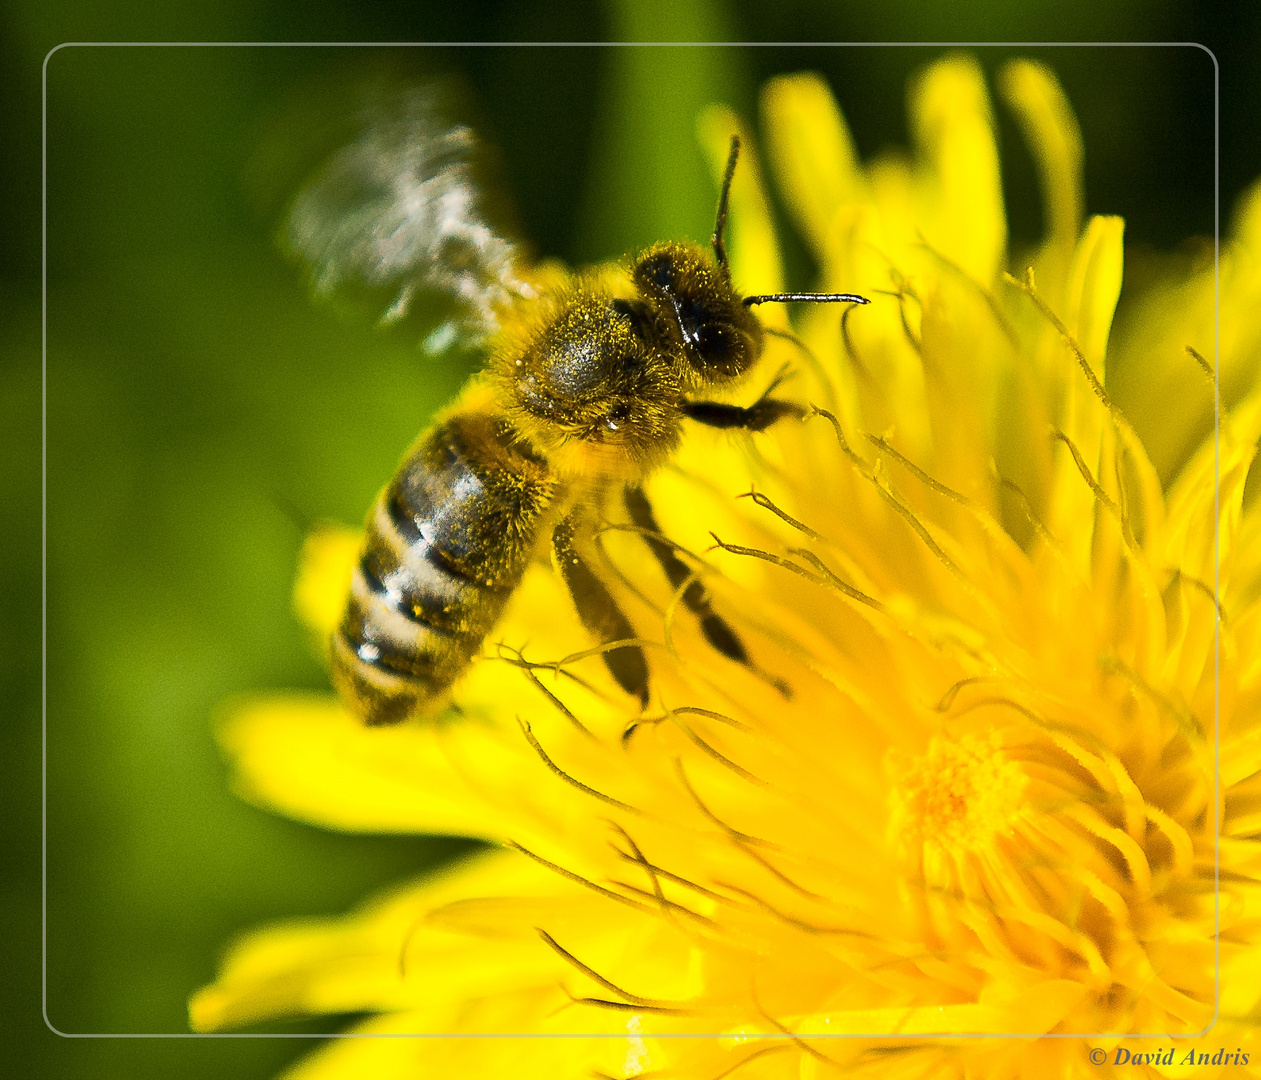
[(446, 544)]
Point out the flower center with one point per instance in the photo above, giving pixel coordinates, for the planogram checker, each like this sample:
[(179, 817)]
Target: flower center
[(960, 795)]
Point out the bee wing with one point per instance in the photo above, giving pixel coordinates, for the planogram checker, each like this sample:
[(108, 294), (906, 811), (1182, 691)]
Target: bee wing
[(399, 212)]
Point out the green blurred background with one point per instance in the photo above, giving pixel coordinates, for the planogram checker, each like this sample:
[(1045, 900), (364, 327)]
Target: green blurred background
[(200, 409)]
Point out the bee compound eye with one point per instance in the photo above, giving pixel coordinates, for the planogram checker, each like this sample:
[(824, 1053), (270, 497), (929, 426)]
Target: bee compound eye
[(657, 271), (722, 347), (615, 419)]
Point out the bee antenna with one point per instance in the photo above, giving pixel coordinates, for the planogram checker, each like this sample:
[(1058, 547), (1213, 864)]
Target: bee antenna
[(806, 297), (720, 252)]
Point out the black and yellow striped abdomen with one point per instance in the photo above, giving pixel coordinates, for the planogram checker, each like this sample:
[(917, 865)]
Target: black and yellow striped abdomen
[(447, 543)]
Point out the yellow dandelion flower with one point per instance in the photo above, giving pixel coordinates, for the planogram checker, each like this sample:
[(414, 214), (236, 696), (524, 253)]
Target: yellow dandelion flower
[(967, 788)]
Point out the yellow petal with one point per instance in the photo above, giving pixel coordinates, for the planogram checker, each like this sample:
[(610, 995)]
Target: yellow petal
[(1035, 95), (961, 191), (812, 154), (306, 756), (383, 1053), (1095, 285), (325, 568), (1038, 1009), (1193, 307), (393, 954), (388, 1054), (1215, 477)]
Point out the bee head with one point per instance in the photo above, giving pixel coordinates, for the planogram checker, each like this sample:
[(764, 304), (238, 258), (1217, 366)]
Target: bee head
[(588, 384), (720, 338)]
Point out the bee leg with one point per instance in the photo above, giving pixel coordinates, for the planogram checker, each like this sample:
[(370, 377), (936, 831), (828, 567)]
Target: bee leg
[(599, 611), (717, 630), (756, 417)]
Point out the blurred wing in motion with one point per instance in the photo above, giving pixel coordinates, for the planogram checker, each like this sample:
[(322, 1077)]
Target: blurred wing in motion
[(399, 212)]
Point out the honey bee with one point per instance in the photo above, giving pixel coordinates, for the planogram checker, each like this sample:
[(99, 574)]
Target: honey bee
[(586, 390)]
